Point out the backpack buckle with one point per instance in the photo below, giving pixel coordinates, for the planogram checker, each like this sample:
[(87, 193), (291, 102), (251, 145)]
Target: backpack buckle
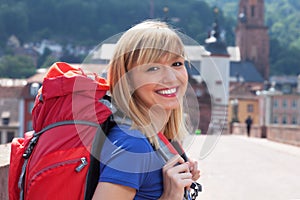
[(196, 188), (30, 147)]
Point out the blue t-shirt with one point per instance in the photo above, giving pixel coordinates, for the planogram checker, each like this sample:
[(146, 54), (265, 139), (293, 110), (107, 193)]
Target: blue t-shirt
[(128, 159)]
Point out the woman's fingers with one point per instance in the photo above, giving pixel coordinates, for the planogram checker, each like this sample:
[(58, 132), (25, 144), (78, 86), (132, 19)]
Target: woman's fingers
[(196, 176), (194, 170), (178, 172), (178, 175)]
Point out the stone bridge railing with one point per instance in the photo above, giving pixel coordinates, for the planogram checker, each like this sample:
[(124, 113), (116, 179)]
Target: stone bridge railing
[(287, 134), (4, 166)]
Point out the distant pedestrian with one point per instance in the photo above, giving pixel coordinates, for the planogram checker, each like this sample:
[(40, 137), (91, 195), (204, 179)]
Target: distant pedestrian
[(248, 122)]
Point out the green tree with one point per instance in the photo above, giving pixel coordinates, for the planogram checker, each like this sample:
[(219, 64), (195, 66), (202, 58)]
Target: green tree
[(286, 62), (13, 21), (47, 53), (16, 66), (46, 59), (49, 61)]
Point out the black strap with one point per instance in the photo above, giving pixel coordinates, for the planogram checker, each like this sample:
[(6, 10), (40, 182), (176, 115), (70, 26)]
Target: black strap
[(94, 167), (180, 151), (195, 186)]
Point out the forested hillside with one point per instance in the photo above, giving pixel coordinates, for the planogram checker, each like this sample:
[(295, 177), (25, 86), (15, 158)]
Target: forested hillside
[(89, 22)]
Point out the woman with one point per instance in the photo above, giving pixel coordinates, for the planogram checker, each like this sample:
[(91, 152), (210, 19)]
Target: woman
[(148, 81)]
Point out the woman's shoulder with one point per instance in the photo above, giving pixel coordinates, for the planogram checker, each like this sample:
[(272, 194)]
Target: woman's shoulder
[(129, 139)]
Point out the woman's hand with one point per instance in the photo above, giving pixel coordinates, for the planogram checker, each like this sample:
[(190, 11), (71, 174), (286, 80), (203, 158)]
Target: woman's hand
[(194, 169), (176, 177)]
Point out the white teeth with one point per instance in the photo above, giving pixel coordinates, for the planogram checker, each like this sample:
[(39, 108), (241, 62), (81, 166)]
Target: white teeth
[(166, 92)]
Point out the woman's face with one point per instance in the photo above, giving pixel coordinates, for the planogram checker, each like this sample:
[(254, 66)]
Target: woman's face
[(160, 84)]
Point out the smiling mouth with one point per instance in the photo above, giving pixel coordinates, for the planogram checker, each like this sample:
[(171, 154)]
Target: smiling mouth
[(168, 92)]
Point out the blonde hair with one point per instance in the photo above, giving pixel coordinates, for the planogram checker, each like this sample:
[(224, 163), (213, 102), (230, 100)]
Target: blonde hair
[(144, 43)]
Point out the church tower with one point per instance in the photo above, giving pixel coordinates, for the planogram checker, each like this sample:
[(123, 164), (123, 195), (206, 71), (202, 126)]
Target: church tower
[(252, 35)]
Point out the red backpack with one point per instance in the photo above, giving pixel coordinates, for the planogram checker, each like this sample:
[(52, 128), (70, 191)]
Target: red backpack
[(59, 159)]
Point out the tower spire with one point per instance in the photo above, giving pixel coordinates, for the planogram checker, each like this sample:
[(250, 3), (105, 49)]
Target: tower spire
[(215, 43)]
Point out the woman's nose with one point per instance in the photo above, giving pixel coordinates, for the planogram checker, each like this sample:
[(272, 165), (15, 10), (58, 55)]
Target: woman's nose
[(169, 75)]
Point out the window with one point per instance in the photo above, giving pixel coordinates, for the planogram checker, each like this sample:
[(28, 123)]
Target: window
[(250, 108), (284, 103), (284, 120), (294, 120), (275, 119), (5, 117), (275, 103), (294, 103), (5, 121), (10, 136)]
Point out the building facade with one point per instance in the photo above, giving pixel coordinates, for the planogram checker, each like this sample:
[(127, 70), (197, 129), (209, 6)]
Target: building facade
[(285, 109), (243, 103), (10, 95)]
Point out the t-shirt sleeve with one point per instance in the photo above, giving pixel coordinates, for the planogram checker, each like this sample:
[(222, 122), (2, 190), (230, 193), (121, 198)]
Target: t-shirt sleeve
[(125, 161)]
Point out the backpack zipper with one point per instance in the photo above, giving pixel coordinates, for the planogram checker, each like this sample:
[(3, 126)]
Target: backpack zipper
[(82, 164)]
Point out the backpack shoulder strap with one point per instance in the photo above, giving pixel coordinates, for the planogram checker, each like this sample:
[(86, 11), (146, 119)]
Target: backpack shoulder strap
[(36, 135), (167, 150), (94, 167)]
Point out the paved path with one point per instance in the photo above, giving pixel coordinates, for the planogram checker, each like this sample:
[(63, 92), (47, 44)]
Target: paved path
[(241, 168)]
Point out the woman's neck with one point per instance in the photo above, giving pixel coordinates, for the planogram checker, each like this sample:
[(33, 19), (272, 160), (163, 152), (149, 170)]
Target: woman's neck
[(159, 117)]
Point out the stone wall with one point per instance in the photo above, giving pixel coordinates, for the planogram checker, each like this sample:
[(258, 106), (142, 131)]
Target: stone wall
[(240, 129), (4, 166), (287, 134), (284, 134), (4, 182)]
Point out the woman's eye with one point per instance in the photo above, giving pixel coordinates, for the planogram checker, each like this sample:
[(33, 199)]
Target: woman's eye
[(150, 69), (177, 64)]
